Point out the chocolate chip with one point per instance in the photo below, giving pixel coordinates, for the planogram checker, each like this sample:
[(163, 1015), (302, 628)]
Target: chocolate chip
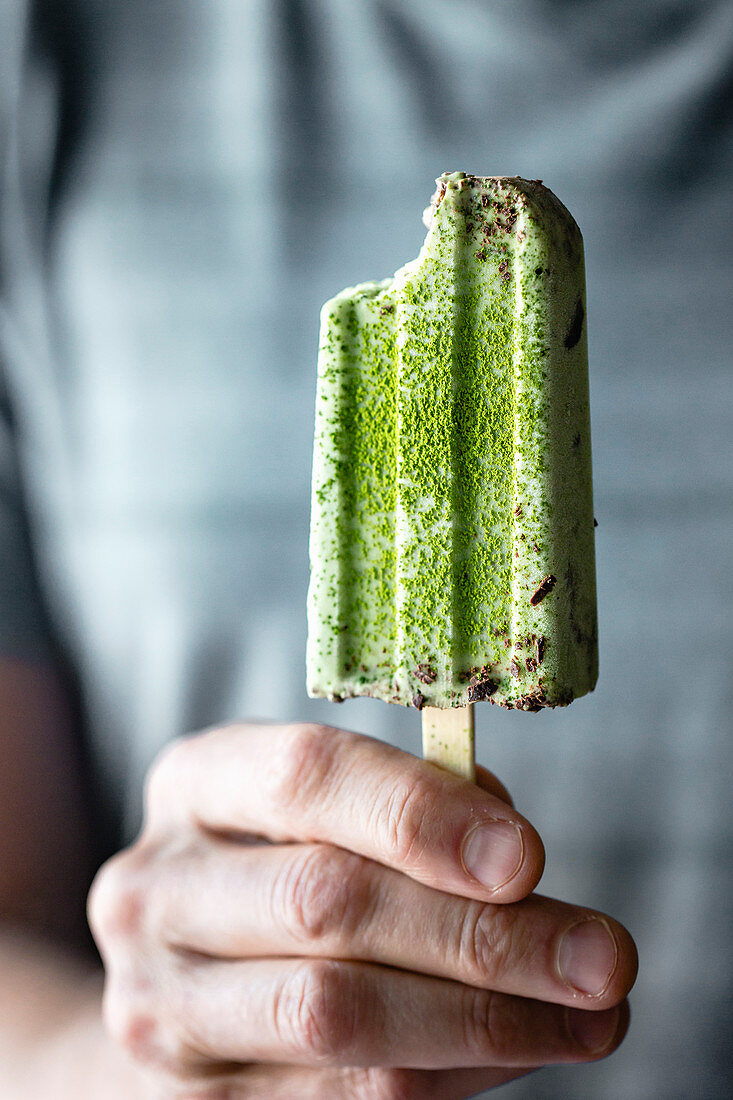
[(533, 700), (546, 586), (418, 700), (477, 693)]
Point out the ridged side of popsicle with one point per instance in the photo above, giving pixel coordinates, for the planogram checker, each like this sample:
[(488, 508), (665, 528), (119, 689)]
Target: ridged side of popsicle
[(452, 526)]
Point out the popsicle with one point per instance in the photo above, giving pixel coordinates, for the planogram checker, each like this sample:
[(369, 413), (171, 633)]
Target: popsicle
[(452, 530)]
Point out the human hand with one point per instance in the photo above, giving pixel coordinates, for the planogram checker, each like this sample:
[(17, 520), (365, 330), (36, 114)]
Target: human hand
[(312, 913)]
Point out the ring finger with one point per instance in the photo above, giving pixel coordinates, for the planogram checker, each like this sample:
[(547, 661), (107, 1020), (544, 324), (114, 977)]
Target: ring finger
[(319, 1012)]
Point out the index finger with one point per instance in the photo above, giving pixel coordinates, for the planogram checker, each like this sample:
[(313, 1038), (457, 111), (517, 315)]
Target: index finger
[(316, 783)]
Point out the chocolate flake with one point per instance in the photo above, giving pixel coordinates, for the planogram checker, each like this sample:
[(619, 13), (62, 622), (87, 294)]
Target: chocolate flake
[(518, 511), (546, 586), (541, 644), (426, 674), (386, 309), (481, 692), (481, 685), (533, 700), (418, 700), (478, 693), (514, 669)]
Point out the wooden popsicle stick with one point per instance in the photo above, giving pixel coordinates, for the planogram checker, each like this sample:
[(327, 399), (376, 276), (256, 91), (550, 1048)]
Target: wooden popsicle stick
[(448, 739)]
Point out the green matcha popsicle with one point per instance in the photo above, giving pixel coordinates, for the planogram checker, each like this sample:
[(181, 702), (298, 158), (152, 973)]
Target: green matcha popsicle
[(452, 555)]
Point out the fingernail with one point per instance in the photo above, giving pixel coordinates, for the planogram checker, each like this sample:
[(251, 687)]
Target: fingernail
[(587, 956), (594, 1031), (493, 853)]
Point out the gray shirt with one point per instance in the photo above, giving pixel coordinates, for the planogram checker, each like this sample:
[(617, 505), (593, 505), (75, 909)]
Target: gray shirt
[(183, 184)]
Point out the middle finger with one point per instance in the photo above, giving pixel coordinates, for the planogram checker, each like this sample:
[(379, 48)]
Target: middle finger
[(321, 901)]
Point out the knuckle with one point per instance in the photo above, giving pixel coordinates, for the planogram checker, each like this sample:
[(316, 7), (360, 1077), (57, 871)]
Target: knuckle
[(324, 893), (130, 1023), (301, 764), (402, 820), (139, 1024), (118, 899), (475, 1009), (504, 1026), (487, 946), (166, 772), (492, 1026), (316, 1012)]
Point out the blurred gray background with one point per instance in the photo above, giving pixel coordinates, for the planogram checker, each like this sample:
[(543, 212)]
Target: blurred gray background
[(183, 184)]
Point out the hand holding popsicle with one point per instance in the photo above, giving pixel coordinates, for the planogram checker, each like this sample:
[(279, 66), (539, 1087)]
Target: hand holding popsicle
[(309, 912)]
